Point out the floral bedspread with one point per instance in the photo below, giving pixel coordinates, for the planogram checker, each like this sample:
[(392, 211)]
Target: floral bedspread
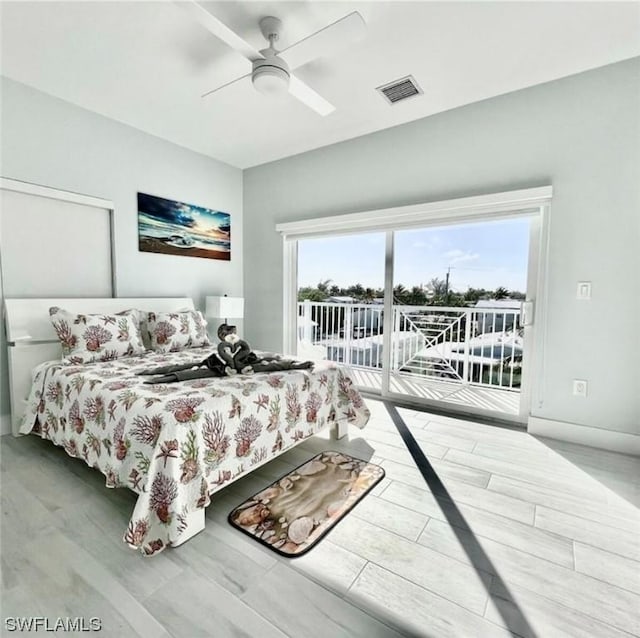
[(175, 444)]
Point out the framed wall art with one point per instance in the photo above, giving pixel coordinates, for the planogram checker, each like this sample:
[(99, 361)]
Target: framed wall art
[(175, 228)]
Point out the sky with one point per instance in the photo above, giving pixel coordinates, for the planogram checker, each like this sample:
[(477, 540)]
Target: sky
[(482, 255)]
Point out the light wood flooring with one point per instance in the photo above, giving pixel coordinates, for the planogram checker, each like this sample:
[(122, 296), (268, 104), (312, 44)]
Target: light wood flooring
[(487, 532)]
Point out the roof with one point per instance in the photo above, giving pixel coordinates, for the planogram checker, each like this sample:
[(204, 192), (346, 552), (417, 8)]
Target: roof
[(341, 298), (514, 304)]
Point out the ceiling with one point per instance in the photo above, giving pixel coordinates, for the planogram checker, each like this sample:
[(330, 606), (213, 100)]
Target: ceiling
[(147, 63)]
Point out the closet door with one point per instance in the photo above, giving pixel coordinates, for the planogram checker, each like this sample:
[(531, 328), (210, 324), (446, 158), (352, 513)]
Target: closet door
[(53, 247), (53, 244)]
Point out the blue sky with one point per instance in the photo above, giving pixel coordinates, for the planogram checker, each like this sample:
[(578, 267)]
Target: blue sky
[(485, 255)]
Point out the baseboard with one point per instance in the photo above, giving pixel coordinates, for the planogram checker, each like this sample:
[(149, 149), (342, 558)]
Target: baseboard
[(5, 424), (584, 435)]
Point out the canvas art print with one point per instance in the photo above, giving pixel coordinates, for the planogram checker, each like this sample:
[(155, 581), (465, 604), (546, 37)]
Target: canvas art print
[(176, 228)]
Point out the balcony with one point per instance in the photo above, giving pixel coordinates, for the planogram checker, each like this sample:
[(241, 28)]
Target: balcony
[(470, 357)]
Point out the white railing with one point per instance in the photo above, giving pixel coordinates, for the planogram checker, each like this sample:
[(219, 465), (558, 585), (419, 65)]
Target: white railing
[(479, 346)]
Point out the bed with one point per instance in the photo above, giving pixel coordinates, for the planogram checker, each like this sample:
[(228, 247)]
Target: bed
[(173, 444)]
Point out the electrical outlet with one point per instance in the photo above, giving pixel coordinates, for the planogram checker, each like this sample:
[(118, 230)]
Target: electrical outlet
[(579, 387), (584, 290)]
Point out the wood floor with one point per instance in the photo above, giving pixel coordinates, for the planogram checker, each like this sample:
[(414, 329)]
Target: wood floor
[(486, 532)]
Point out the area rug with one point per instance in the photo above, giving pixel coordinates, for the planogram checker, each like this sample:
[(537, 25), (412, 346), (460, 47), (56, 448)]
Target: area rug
[(296, 511)]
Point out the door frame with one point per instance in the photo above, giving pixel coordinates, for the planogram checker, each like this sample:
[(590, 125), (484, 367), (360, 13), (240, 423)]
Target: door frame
[(531, 202)]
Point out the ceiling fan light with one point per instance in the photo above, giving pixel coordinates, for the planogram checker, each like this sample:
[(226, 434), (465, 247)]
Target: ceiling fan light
[(271, 80)]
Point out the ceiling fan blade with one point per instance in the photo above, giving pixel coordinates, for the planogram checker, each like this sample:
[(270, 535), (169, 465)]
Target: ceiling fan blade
[(220, 30), (308, 96), (326, 41), (222, 86)]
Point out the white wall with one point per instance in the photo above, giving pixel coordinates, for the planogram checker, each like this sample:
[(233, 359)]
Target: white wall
[(580, 134), (53, 143)]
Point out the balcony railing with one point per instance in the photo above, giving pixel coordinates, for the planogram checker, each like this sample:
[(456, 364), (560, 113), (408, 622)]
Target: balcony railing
[(475, 346)]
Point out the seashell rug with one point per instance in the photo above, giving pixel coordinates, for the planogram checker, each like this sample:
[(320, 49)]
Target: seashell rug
[(296, 511)]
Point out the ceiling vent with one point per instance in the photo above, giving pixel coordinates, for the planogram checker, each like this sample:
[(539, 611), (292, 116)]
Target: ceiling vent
[(400, 89)]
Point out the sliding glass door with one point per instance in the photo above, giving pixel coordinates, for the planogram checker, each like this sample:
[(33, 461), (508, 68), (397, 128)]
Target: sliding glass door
[(340, 294), (436, 314), (458, 334)]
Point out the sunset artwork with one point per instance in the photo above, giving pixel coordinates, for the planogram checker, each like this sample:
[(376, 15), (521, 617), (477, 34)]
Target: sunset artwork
[(176, 228)]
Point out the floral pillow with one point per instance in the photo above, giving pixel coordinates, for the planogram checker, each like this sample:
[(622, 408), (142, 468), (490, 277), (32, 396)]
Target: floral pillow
[(173, 331), (89, 338)]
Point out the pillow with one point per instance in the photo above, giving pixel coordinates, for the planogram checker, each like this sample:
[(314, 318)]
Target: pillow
[(173, 331), (101, 337)]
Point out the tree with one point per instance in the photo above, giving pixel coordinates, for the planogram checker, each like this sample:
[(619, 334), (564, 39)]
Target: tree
[(474, 294), (323, 286), (438, 287), (500, 293), (417, 296), (312, 294), (400, 294)]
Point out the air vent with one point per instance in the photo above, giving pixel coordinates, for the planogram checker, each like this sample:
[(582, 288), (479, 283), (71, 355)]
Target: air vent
[(400, 89)]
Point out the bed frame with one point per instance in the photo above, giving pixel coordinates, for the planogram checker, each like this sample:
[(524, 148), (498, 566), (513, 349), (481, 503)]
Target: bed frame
[(31, 340)]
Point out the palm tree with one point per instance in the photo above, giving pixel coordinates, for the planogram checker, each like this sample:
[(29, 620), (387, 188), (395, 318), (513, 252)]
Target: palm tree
[(417, 296), (323, 286), (500, 293), (400, 294), (358, 291)]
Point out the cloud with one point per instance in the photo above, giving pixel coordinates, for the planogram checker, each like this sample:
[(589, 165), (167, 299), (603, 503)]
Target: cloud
[(457, 256), (165, 210)]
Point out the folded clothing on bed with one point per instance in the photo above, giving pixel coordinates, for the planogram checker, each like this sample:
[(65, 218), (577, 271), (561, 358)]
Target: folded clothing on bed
[(213, 366)]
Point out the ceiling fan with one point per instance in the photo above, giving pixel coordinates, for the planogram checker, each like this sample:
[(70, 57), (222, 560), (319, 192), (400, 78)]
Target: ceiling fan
[(271, 69)]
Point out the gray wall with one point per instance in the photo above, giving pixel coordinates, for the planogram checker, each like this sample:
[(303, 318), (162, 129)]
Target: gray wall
[(51, 142), (581, 134)]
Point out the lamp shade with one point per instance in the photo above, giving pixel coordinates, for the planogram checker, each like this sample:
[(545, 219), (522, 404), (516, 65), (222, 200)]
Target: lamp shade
[(225, 307)]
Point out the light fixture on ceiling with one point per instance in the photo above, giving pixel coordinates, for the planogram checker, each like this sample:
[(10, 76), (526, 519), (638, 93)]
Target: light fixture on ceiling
[(270, 74), (270, 78)]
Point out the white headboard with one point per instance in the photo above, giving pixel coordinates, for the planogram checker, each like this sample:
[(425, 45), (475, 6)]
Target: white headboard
[(31, 338)]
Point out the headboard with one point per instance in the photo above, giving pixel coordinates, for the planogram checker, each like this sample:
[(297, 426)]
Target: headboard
[(31, 338)]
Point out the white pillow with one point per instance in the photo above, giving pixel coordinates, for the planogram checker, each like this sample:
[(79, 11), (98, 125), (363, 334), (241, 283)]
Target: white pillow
[(97, 337), (173, 331)]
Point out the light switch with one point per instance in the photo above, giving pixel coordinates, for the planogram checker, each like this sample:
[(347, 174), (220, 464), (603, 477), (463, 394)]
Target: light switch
[(584, 290)]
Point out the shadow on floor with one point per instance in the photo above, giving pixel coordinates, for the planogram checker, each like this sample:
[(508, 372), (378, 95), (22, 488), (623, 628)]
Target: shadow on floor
[(513, 617)]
